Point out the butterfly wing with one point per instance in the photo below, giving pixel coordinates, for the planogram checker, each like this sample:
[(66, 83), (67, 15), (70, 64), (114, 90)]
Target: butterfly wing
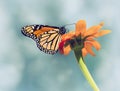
[(47, 37), (34, 31), (48, 42)]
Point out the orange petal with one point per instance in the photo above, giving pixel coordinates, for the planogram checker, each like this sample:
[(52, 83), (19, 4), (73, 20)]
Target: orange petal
[(93, 42), (84, 52), (102, 33), (93, 30), (96, 44), (68, 35), (88, 47), (80, 27), (67, 50), (90, 38)]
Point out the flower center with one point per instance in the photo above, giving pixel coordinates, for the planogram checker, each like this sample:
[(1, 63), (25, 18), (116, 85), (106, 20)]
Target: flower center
[(76, 42)]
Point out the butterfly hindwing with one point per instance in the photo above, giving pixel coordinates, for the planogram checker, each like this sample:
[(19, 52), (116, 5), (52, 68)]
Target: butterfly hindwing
[(47, 37), (49, 41)]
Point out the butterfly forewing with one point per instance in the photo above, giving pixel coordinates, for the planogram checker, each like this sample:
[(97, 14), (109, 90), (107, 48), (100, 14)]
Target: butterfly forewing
[(30, 30)]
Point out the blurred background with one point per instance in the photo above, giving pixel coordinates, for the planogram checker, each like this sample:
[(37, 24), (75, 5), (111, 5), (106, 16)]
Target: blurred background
[(24, 68)]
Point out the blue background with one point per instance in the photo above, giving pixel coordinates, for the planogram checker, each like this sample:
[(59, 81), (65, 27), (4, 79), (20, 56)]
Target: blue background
[(24, 68)]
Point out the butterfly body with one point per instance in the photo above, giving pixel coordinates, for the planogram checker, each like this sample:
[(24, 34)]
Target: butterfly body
[(47, 37)]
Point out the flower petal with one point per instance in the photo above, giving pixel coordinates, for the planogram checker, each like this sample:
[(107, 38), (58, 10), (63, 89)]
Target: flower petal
[(64, 49), (80, 27), (61, 45), (93, 30), (84, 52), (67, 50), (68, 35), (102, 33), (96, 44), (88, 47), (90, 38)]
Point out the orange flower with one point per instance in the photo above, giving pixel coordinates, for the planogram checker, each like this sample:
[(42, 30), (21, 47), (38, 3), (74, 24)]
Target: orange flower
[(82, 38)]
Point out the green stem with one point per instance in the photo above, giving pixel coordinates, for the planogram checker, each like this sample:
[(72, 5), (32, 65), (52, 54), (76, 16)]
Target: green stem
[(84, 70)]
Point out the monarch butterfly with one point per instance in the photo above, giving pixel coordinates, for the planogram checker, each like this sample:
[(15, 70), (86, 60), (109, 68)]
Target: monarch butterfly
[(47, 37)]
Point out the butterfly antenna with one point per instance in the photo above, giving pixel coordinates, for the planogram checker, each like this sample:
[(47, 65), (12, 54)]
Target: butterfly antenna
[(68, 24)]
